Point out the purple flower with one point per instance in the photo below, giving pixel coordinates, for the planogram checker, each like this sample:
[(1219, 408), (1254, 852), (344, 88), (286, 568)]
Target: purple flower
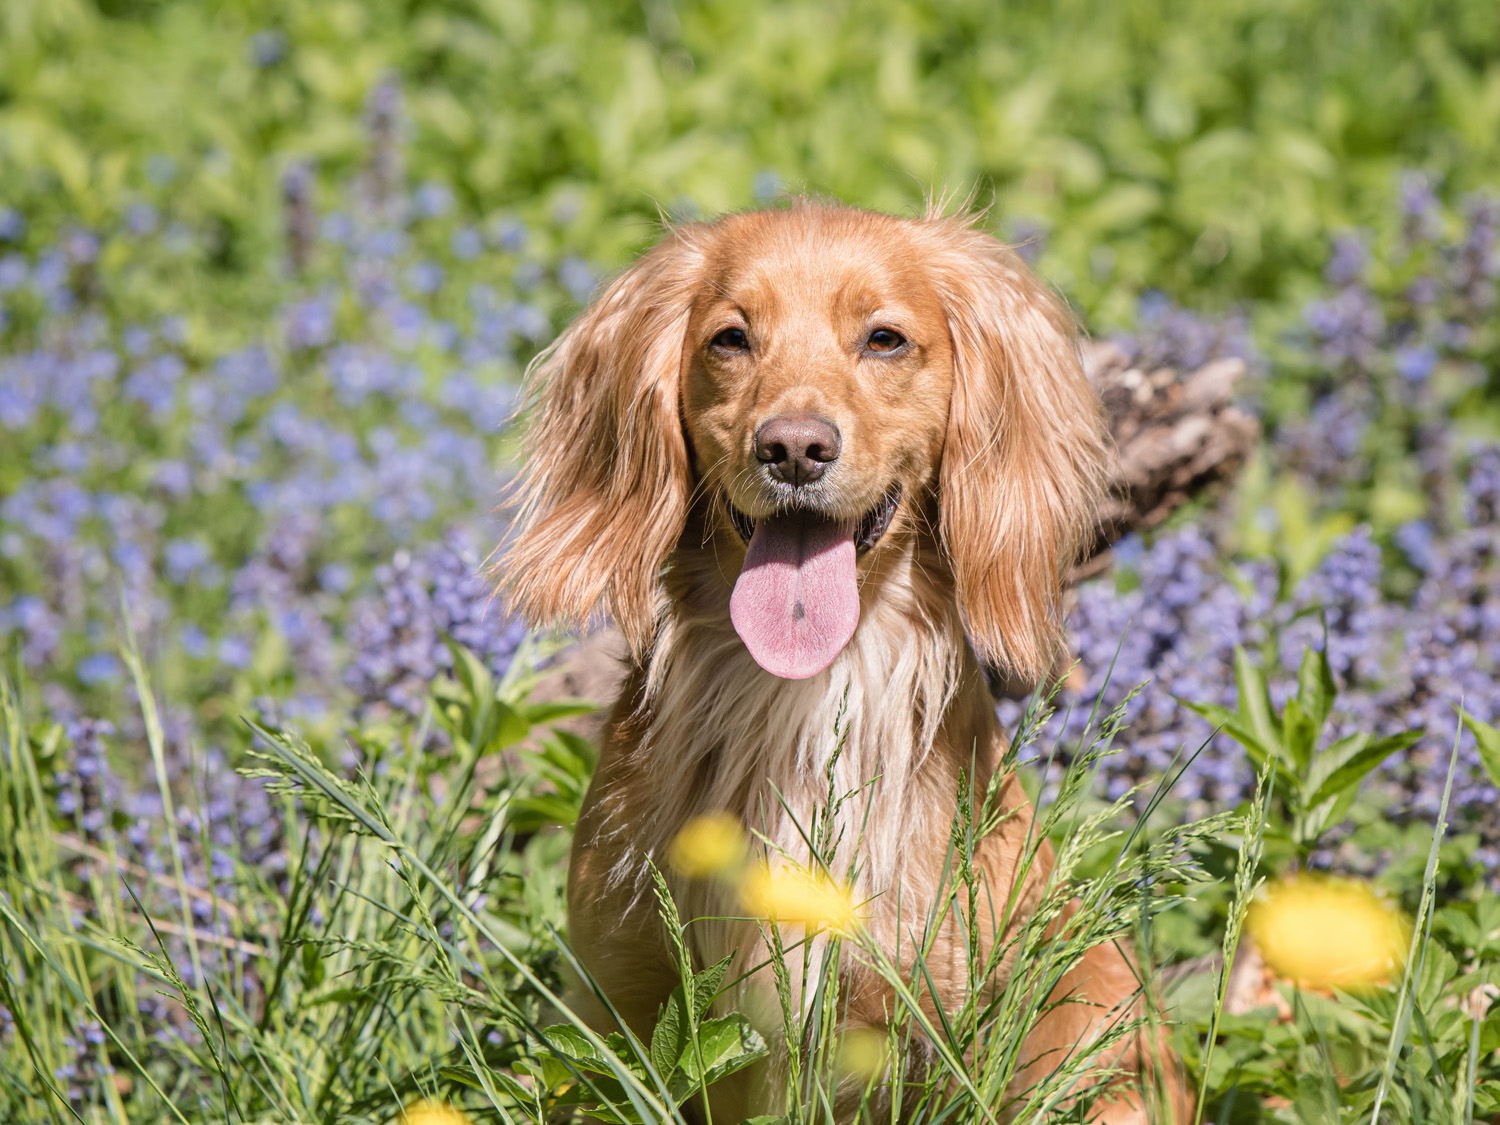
[(1414, 364), (267, 48), (98, 668), (309, 324)]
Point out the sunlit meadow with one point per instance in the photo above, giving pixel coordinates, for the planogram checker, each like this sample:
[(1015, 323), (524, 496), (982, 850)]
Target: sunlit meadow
[(283, 818)]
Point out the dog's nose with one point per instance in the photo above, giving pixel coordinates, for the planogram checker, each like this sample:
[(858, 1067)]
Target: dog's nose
[(797, 448)]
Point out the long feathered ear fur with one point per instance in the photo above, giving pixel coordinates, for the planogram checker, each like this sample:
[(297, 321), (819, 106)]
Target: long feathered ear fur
[(603, 488), (1023, 463)]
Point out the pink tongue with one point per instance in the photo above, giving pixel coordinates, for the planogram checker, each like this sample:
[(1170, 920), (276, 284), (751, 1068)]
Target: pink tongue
[(795, 603)]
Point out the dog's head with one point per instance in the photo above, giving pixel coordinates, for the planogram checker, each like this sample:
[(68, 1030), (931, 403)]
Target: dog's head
[(812, 379)]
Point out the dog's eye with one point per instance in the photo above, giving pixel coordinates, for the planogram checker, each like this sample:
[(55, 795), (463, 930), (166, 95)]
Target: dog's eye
[(885, 340), (732, 340)]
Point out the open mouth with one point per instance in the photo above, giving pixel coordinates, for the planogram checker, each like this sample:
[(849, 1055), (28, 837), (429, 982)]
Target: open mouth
[(872, 525), (795, 603)]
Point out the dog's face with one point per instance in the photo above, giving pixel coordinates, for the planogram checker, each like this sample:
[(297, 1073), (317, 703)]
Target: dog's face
[(815, 400), (812, 380), (819, 376)]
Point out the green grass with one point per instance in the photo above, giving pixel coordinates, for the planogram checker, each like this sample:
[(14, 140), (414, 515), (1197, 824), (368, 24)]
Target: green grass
[(416, 953)]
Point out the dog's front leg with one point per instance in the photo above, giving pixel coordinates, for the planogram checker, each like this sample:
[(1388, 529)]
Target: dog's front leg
[(614, 925)]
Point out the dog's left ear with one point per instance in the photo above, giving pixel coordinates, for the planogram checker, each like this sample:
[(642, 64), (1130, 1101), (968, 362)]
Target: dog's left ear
[(1024, 458), (601, 496)]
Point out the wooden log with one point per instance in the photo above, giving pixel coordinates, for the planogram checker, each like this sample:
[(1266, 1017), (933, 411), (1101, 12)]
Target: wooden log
[(1176, 436)]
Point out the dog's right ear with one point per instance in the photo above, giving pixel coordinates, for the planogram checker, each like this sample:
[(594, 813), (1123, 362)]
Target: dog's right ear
[(602, 493)]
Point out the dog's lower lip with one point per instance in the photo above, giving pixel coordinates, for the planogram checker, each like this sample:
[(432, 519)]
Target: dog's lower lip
[(872, 525)]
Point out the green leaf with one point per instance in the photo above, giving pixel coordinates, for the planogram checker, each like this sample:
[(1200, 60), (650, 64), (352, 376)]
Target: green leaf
[(471, 674), (313, 971), (505, 728), (566, 1041), (1317, 818), (670, 1037), (1488, 739), (1345, 764), (581, 749), (539, 714), (725, 1045), (1255, 701), (463, 1074), (532, 814), (1308, 710), (1231, 724), (706, 986)]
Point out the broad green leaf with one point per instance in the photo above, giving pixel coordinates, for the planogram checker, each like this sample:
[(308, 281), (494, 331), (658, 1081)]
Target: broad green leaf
[(1345, 763), (530, 814), (1231, 724), (566, 1041), (1255, 700), (1308, 710), (464, 1074), (670, 1037), (313, 970), (725, 1045), (505, 728), (706, 985), (1487, 738), (1317, 819), (1301, 736), (539, 714), (472, 674), (569, 765), (580, 748)]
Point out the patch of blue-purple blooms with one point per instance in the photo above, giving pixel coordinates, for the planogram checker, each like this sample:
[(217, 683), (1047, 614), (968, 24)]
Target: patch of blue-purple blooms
[(294, 525), (1394, 364)]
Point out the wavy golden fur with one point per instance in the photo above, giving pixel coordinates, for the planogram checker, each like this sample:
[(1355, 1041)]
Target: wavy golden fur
[(642, 453)]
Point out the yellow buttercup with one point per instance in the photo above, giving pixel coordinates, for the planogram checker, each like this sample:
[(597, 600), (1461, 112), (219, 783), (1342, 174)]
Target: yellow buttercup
[(709, 845), (432, 1113), (795, 894), (1329, 933)]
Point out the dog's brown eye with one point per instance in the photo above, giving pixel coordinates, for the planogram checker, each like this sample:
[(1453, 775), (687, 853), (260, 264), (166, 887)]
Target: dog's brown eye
[(732, 340), (885, 340)]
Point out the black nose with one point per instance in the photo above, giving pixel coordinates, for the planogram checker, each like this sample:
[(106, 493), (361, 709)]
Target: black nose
[(797, 448)]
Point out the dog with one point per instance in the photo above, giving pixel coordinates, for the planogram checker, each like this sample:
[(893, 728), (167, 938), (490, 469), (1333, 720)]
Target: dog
[(815, 462)]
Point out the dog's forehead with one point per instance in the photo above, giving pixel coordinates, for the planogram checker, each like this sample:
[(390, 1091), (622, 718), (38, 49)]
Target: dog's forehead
[(844, 263)]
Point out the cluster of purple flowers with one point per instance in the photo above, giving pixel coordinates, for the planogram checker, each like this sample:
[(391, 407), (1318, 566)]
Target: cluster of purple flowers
[(291, 527), (1173, 614), (422, 599), (1411, 608), (224, 496)]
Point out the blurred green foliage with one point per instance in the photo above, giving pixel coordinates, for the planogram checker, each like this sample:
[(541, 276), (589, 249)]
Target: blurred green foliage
[(1202, 148)]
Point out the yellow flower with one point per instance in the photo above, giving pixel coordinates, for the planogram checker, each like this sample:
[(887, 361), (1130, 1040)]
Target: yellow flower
[(1328, 933), (794, 894), (711, 844), (864, 1051), (432, 1113)]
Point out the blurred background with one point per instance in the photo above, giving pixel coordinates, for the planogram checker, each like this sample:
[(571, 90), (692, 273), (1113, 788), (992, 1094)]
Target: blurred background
[(270, 272), (1207, 151)]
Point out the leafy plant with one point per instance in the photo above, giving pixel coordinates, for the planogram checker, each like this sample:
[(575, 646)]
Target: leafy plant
[(1315, 785), (688, 1053)]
